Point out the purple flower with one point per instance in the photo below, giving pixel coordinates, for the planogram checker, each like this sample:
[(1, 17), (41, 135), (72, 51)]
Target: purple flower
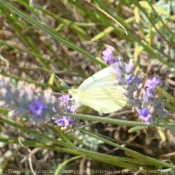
[(64, 99), (107, 56), (63, 121), (151, 84), (71, 108), (36, 107), (129, 79), (144, 114)]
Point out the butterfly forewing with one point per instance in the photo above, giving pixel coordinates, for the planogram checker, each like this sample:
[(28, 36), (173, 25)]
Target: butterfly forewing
[(105, 76)]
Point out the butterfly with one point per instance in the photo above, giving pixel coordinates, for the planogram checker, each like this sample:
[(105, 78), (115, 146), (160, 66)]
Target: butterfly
[(100, 92)]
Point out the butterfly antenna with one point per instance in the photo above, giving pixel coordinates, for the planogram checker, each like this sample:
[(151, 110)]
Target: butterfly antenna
[(63, 82)]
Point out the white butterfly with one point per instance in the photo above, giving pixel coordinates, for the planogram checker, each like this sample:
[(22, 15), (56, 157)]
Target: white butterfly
[(100, 92)]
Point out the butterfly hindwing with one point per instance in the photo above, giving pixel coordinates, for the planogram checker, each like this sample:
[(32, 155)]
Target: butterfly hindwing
[(104, 100)]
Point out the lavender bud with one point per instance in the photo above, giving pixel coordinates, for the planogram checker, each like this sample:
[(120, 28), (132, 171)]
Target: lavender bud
[(130, 67), (108, 56)]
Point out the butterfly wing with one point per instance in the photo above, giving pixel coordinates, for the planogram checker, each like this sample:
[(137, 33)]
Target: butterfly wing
[(104, 100), (103, 78), (101, 92)]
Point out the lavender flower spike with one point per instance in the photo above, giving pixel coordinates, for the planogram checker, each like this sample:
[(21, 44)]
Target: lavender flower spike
[(130, 67)]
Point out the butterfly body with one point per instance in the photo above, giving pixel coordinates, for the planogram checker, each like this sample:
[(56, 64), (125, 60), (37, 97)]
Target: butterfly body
[(100, 92)]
